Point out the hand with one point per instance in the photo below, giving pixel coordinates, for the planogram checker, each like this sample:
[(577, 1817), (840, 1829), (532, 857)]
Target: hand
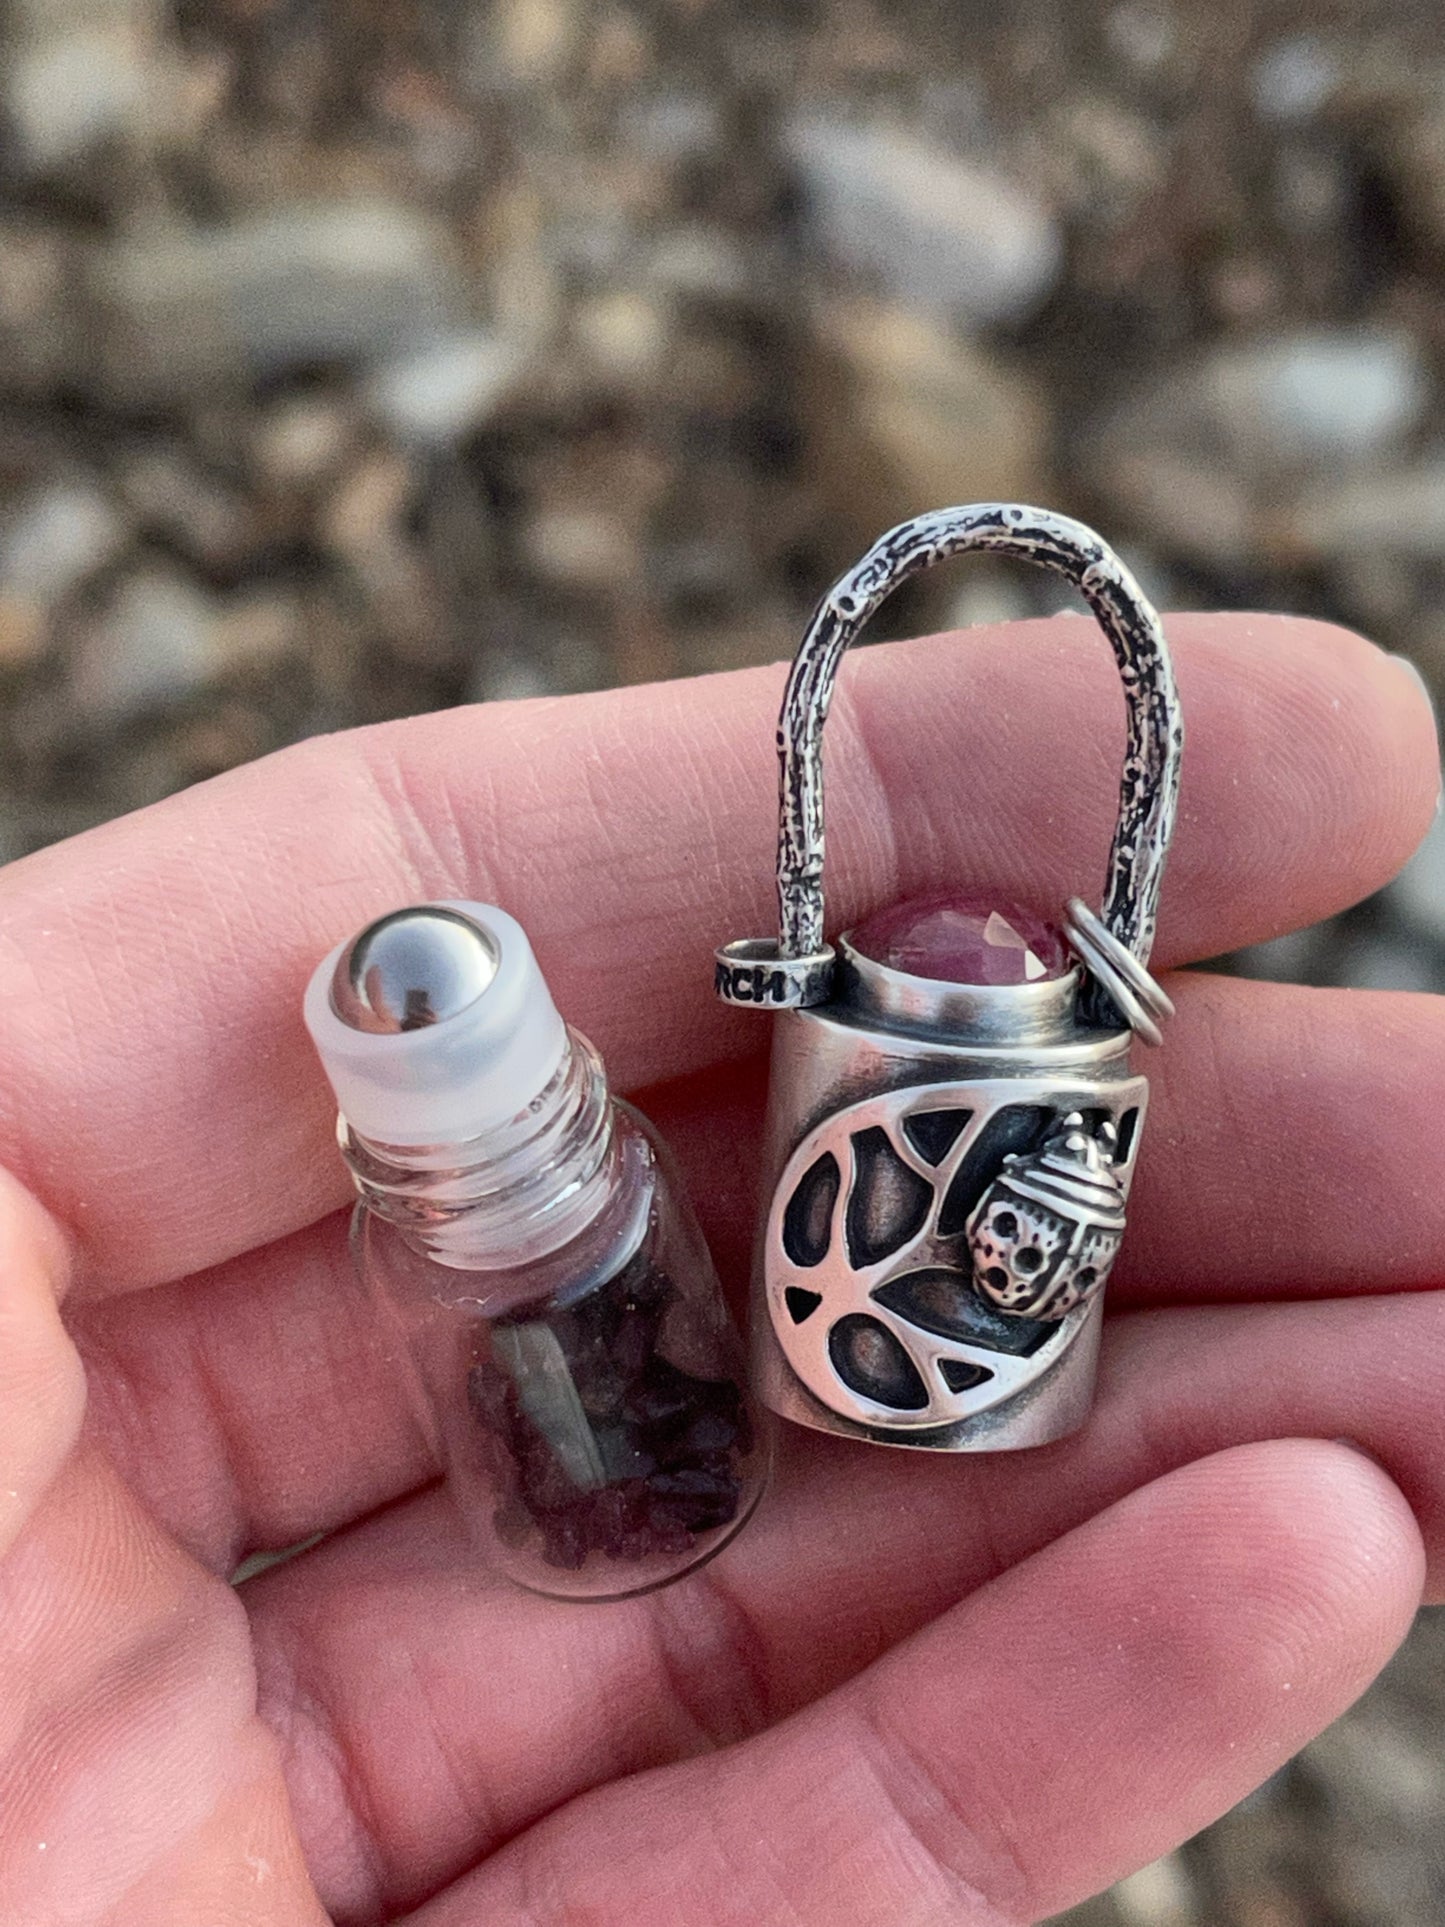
[(915, 1691)]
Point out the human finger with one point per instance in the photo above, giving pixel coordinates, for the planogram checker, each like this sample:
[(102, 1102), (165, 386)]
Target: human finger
[(135, 1780), (42, 1385), (431, 1680), (988, 1770)]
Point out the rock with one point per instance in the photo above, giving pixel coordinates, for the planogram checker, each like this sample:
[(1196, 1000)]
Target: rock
[(315, 285), (1293, 79), (1211, 459), (1320, 396), (986, 597), (673, 126), (1144, 36), (439, 391), (50, 544), (257, 631), (932, 230), (693, 260), (1298, 957), (625, 334), (938, 418), (71, 84), (155, 641), (37, 315), (364, 524), (1385, 961), (173, 498), (54, 539), (364, 516), (1413, 146), (581, 548), (301, 442), (1159, 1895), (1396, 513), (522, 41)]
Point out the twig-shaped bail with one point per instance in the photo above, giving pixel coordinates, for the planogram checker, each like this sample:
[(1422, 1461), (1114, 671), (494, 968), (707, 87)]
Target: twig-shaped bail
[(796, 968)]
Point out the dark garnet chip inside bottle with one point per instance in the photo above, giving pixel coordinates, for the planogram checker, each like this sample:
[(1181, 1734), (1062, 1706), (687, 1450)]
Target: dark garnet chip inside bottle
[(598, 1441)]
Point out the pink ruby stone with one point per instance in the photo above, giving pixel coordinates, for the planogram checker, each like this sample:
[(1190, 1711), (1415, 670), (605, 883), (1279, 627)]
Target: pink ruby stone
[(964, 940)]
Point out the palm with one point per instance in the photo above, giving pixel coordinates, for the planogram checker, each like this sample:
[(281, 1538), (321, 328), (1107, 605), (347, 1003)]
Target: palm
[(914, 1691)]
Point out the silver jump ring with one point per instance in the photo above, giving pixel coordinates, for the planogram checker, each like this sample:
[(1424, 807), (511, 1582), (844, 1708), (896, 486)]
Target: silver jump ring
[(1139, 998)]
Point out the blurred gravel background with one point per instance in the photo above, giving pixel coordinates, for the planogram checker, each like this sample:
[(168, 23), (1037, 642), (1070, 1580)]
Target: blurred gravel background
[(361, 357)]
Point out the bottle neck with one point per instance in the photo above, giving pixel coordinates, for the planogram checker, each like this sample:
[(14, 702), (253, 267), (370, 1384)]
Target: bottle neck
[(513, 1194)]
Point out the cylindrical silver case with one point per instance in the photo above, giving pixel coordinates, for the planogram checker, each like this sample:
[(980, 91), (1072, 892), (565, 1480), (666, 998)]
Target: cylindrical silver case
[(850, 1081)]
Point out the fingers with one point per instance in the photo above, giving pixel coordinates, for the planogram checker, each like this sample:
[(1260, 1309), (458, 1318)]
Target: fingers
[(136, 1784), (1292, 1146), (990, 1770), (42, 1386), (430, 1683), (160, 1093), (259, 1403)]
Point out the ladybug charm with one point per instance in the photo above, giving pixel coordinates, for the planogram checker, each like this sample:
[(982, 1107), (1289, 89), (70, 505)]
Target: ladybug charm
[(953, 1120), (1044, 1234)]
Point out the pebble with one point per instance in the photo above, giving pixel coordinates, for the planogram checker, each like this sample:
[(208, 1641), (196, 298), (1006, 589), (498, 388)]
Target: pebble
[(258, 630), (524, 40), (580, 548), (1388, 961), (1320, 396), (934, 230), (1212, 458), (173, 498), (985, 598), (624, 333), (68, 91), (316, 285), (1393, 513), (1294, 78), (1298, 957), (1159, 1895), (155, 641), (301, 442), (437, 392), (55, 538), (37, 322), (939, 418), (50, 544)]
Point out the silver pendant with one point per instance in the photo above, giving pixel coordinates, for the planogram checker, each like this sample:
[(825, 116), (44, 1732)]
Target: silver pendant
[(950, 1161)]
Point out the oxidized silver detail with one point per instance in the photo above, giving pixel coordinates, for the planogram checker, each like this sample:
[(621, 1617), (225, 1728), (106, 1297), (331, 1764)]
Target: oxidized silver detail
[(892, 1333), (1149, 783), (751, 971), (1045, 1233)]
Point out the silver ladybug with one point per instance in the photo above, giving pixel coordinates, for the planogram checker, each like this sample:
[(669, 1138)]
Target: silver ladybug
[(1044, 1234)]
